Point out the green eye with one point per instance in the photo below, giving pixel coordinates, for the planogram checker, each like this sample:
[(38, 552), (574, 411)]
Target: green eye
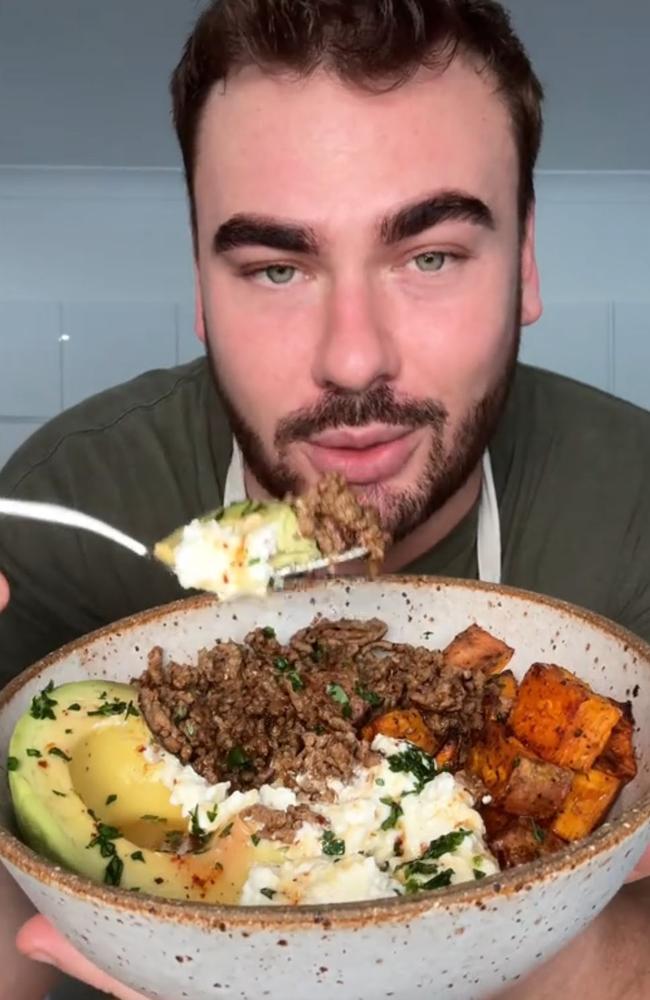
[(430, 261), (280, 274)]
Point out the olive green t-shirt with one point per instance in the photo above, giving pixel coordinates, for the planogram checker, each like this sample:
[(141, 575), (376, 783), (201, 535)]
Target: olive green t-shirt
[(571, 466)]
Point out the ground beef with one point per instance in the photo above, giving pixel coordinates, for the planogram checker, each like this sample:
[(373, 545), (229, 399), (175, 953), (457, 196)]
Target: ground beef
[(261, 712), (279, 824), (332, 515)]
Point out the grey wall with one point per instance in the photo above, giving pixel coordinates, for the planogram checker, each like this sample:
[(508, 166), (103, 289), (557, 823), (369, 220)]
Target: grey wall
[(84, 82)]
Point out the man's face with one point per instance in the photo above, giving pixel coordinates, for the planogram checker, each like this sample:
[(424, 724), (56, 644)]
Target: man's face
[(362, 278)]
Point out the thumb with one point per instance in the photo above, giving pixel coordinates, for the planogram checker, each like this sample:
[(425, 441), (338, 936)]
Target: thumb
[(38, 940)]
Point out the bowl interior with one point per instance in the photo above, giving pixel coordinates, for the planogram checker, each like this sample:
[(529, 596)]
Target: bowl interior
[(420, 611)]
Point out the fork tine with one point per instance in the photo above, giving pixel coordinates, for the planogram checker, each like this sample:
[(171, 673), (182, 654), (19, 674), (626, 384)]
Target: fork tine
[(300, 570)]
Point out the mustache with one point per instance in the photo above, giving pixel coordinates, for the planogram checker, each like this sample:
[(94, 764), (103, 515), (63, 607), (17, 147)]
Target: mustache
[(376, 405)]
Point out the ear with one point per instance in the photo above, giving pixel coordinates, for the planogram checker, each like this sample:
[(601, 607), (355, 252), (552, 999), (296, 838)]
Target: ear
[(531, 301), (199, 315)]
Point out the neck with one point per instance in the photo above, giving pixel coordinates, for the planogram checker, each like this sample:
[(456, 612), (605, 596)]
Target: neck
[(425, 537)]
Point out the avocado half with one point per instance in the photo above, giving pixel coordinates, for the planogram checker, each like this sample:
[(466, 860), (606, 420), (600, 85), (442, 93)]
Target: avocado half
[(86, 797)]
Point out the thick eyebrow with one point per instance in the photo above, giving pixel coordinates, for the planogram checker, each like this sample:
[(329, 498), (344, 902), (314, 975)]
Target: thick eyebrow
[(258, 230), (443, 207)]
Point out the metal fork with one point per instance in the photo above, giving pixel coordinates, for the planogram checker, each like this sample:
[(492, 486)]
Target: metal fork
[(54, 514)]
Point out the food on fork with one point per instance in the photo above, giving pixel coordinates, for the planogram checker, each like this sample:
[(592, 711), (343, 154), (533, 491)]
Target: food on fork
[(239, 549)]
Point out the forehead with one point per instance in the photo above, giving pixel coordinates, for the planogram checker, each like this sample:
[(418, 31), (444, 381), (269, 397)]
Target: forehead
[(317, 147)]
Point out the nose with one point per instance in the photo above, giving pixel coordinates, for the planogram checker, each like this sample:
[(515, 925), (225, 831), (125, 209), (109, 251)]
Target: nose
[(357, 349)]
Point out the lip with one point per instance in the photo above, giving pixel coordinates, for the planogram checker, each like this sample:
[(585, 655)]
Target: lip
[(360, 438), (370, 455)]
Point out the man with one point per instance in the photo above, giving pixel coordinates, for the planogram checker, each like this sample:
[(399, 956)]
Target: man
[(361, 184)]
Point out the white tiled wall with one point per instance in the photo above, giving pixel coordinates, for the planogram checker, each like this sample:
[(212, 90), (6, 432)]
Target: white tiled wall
[(96, 284)]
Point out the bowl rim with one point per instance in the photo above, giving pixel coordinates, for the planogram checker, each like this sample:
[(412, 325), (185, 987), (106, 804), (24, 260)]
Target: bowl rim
[(331, 916)]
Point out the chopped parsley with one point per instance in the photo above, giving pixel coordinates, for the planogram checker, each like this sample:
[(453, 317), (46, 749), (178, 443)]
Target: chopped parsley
[(416, 762), (75, 707), (337, 694), (478, 874), (150, 818), (380, 782), (104, 837), (212, 814), (237, 757), (114, 869), (371, 697), (331, 846), (227, 830), (42, 705), (111, 799), (196, 830), (33, 752), (268, 632), (56, 752), (116, 707), (269, 893), (538, 832), (13, 763), (61, 795), (283, 666), (255, 839), (138, 856), (296, 680), (447, 844), (439, 881), (395, 812), (426, 867)]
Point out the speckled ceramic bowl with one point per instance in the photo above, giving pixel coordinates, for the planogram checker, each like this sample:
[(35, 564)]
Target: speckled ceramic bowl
[(460, 942)]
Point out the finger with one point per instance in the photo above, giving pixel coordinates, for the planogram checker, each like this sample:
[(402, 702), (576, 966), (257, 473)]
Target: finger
[(642, 870), (4, 592), (37, 939)]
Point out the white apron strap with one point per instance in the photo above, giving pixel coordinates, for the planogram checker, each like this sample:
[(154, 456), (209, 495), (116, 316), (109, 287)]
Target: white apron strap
[(488, 541)]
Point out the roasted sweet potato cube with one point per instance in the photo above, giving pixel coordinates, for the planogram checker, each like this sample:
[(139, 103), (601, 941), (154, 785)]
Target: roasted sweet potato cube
[(618, 757), (561, 719), (499, 697), (493, 759), (402, 724), (522, 841), (447, 755), (476, 649), (591, 796), (536, 788)]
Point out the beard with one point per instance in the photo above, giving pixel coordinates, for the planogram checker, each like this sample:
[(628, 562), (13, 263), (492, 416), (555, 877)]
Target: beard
[(446, 469)]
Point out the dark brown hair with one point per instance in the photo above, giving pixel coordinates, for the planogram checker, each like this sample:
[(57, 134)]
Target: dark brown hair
[(372, 43)]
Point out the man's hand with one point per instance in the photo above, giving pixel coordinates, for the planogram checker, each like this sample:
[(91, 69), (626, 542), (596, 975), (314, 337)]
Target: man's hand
[(642, 870), (40, 941)]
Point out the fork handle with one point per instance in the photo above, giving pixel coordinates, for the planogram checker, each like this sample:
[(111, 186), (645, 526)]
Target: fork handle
[(54, 514)]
